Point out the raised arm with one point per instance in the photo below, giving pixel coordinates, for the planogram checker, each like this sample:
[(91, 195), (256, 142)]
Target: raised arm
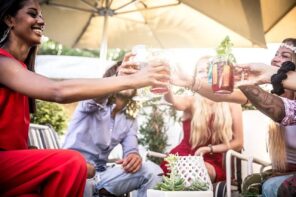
[(17, 78), (179, 78), (203, 88), (258, 73), (269, 104), (206, 90), (181, 103)]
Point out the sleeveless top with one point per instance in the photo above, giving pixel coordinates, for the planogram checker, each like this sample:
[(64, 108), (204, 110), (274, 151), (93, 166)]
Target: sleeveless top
[(184, 149), (290, 140), (14, 116)]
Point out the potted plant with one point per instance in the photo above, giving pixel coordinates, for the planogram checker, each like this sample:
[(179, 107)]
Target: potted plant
[(188, 177)]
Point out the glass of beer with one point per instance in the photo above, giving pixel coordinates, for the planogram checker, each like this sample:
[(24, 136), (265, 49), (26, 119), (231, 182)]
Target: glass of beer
[(222, 75)]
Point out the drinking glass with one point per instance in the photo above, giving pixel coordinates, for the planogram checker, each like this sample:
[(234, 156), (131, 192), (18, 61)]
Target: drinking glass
[(144, 56), (160, 56), (141, 56), (222, 75)]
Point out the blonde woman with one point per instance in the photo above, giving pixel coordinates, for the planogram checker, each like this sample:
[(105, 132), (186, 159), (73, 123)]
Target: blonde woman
[(282, 140), (209, 128)]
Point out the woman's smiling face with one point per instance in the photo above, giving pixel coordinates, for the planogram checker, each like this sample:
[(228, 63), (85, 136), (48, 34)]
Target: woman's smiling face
[(28, 23), (282, 55)]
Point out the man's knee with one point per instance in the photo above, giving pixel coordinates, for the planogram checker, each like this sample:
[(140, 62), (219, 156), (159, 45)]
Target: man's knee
[(89, 189), (152, 171)]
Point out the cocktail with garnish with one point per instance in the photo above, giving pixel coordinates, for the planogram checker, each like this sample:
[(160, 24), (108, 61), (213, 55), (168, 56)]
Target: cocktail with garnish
[(222, 68)]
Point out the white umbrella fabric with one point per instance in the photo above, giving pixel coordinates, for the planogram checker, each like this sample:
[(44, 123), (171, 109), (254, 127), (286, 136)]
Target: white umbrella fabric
[(161, 23)]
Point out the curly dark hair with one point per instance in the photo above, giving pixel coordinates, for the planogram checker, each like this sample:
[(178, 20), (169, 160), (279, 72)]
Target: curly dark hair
[(132, 107)]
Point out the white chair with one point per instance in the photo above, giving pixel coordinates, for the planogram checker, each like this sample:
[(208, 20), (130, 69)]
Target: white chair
[(43, 137)]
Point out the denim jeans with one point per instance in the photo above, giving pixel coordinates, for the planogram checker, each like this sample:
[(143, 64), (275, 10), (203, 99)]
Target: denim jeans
[(117, 181), (271, 186)]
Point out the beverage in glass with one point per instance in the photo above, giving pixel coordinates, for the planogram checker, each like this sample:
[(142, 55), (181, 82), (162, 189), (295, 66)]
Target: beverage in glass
[(159, 56), (222, 75), (141, 54), (159, 89)]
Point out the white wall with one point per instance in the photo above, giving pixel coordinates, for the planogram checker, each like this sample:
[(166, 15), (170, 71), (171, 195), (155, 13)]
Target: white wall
[(63, 67), (255, 126)]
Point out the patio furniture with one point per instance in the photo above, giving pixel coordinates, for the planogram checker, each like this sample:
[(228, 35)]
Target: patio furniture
[(230, 189), (43, 137)]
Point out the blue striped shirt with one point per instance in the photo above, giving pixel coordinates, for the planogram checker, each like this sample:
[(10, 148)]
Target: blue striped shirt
[(94, 133)]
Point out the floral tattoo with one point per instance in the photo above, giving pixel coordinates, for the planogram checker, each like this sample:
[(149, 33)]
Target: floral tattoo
[(269, 104)]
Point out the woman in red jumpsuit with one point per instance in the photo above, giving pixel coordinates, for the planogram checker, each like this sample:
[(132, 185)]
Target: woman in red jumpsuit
[(209, 128), (25, 172)]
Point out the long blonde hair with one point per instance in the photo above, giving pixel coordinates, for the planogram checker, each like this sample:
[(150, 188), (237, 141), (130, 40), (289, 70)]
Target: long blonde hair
[(210, 121), (277, 146)]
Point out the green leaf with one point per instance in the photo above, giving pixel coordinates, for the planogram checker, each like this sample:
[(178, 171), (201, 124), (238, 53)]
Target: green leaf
[(225, 49), (50, 113)]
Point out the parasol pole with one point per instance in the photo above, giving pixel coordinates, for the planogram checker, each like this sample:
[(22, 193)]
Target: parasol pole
[(104, 40)]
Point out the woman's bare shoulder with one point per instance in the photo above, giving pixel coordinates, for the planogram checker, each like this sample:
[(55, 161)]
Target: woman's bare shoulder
[(6, 59), (8, 64)]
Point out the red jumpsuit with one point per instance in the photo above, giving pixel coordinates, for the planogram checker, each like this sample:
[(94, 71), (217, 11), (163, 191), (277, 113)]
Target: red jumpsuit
[(184, 149), (25, 172)]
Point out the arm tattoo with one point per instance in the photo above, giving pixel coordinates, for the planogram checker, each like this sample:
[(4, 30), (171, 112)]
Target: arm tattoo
[(269, 104)]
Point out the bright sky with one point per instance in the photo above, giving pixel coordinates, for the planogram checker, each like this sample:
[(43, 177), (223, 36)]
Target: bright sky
[(187, 58)]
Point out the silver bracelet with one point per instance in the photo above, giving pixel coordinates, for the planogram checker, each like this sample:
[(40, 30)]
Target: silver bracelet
[(211, 148)]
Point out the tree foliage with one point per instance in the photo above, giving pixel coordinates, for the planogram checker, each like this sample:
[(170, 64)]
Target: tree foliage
[(50, 47), (153, 131), (50, 113)]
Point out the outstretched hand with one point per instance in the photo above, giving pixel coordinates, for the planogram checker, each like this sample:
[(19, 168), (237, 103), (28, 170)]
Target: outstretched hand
[(155, 73), (128, 66), (132, 163), (253, 74), (180, 78)]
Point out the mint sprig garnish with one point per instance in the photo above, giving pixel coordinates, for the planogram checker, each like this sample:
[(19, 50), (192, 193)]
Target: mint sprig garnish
[(225, 50)]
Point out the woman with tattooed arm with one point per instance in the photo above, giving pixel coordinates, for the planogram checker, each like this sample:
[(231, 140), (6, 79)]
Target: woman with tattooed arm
[(282, 139)]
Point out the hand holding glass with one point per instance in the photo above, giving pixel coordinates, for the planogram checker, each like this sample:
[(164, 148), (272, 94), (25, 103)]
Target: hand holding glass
[(159, 57), (222, 75), (145, 57)]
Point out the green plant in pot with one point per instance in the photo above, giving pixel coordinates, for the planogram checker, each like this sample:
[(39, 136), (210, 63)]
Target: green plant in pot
[(174, 182)]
